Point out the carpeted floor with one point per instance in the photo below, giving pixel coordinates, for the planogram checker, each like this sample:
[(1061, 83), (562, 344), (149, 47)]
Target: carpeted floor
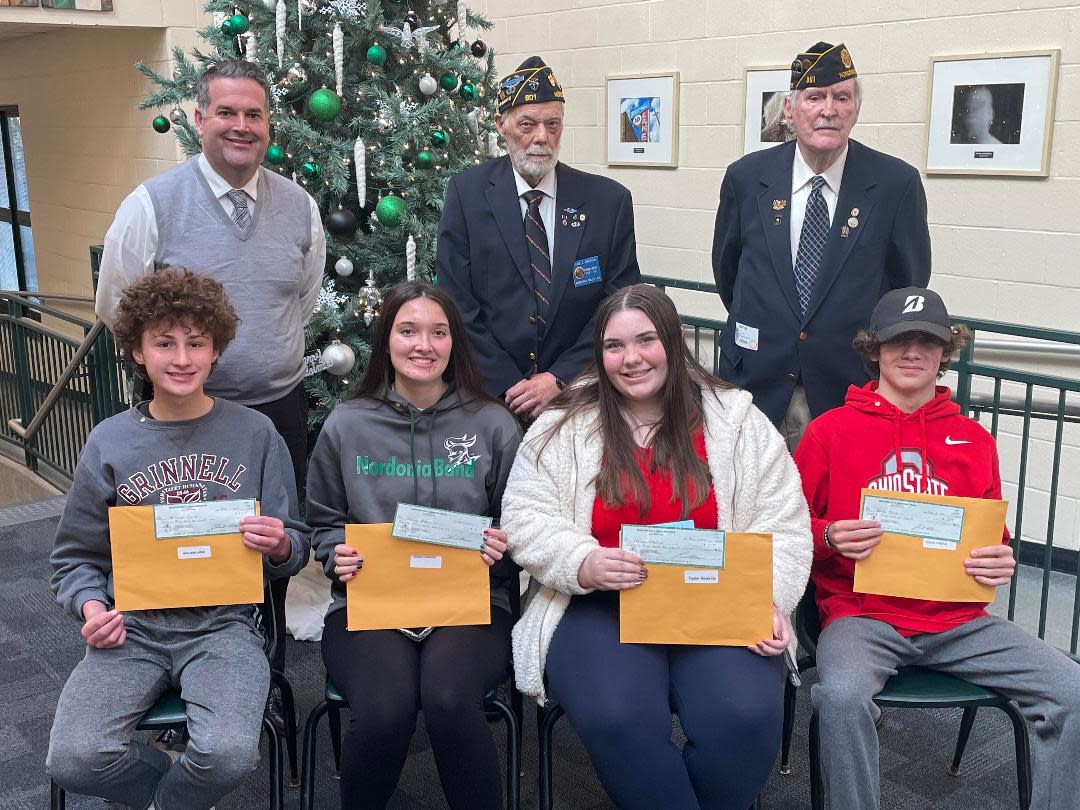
[(39, 646)]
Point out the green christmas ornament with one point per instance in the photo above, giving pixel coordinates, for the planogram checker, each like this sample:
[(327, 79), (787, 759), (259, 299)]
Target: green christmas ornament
[(390, 211), (440, 139), (376, 55), (240, 24), (161, 124), (324, 104), (448, 81), (275, 154), (468, 91), (425, 160), (227, 27), (311, 170)]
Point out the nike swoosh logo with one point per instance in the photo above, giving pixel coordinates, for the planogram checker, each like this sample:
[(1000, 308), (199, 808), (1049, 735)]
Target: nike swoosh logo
[(956, 441)]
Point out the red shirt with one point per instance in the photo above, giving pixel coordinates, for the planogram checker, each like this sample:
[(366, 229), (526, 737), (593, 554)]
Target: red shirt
[(607, 521)]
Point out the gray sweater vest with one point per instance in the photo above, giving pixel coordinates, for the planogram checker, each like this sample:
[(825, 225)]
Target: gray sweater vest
[(260, 268)]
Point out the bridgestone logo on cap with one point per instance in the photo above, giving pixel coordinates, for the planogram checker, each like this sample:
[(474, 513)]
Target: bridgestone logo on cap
[(914, 303)]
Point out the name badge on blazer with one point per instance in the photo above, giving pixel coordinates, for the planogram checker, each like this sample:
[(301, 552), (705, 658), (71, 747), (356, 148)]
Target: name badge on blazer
[(587, 271)]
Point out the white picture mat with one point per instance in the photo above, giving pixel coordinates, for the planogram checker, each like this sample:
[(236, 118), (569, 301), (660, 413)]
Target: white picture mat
[(664, 153), (1034, 72), (758, 81)]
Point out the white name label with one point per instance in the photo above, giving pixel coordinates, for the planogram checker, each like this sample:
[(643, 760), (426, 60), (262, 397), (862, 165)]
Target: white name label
[(930, 542), (193, 552), (424, 561), (701, 577)]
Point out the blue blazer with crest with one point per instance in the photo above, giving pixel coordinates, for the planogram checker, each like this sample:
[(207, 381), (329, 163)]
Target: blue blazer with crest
[(483, 263), (888, 248)]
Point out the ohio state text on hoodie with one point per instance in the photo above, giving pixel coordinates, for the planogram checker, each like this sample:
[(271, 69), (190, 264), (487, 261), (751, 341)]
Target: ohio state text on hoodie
[(870, 443)]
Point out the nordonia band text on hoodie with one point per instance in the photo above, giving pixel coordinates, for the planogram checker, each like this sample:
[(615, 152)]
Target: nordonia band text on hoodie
[(395, 468)]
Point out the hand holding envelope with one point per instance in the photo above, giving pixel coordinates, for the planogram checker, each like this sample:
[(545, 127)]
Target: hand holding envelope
[(926, 542)]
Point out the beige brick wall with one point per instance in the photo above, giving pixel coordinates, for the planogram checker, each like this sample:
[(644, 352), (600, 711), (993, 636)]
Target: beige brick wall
[(1004, 248)]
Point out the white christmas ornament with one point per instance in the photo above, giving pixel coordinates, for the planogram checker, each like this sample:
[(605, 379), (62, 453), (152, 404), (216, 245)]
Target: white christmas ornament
[(493, 145), (338, 358), (428, 85), (410, 259), (249, 46), (360, 162), (408, 37), (303, 7), (270, 4), (343, 267), (462, 22), (279, 31), (339, 57)]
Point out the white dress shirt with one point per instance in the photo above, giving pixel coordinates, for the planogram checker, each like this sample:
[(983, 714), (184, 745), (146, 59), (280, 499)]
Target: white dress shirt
[(801, 177), (547, 205), (132, 239)]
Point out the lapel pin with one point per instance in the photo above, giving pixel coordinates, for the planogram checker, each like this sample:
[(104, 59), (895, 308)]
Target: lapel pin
[(779, 205), (778, 220), (853, 222), (854, 212), (844, 232)]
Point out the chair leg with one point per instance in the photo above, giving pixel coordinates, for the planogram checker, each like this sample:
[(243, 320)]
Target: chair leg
[(545, 727), (57, 798), (817, 788), (499, 710), (1023, 754), (791, 693), (518, 707), (277, 779), (333, 714), (966, 722), (288, 704), (307, 760)]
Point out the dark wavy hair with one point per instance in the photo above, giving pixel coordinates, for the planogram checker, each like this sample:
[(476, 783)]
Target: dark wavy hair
[(171, 296), (462, 370), (620, 480), (867, 345)]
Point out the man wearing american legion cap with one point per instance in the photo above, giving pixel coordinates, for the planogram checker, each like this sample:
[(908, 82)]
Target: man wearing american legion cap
[(529, 247), (809, 235)]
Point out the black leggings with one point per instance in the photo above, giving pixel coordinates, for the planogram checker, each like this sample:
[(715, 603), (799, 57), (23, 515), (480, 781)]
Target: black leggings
[(387, 678)]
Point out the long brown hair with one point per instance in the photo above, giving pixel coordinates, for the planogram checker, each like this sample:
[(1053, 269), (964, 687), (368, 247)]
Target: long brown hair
[(462, 370), (620, 479)]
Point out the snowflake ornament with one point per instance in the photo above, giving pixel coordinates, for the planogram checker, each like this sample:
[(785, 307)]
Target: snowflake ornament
[(350, 10)]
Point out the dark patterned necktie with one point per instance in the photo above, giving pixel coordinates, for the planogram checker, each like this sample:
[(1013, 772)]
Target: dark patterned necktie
[(815, 233), (536, 236), (241, 214)]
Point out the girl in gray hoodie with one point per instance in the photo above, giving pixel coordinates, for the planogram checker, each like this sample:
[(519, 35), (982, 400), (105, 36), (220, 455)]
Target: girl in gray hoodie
[(420, 430)]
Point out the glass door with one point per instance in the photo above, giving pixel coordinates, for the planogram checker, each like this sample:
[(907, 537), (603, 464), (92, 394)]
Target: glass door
[(18, 270)]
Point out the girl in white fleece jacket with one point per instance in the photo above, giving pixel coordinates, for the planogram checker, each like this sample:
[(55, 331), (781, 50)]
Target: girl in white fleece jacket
[(650, 438)]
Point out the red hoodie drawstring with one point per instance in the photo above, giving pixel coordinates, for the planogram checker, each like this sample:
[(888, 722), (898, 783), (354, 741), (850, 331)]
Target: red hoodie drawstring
[(922, 452)]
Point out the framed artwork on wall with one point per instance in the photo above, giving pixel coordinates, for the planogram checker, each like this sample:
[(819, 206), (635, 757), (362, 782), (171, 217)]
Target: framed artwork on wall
[(764, 124), (80, 5), (642, 120), (21, 3), (991, 113)]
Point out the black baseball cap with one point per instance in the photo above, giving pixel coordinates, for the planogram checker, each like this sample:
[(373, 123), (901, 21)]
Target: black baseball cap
[(910, 309)]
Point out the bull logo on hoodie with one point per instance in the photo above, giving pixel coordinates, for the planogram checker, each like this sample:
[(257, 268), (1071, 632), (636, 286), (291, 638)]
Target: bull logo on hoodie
[(908, 475), (457, 450)]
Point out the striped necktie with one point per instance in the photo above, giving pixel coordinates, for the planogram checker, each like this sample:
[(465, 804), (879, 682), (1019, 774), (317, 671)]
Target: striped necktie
[(815, 233), (536, 236), (241, 214)]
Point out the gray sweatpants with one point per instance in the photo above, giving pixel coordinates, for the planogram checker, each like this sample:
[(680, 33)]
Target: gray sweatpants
[(224, 679), (856, 655)]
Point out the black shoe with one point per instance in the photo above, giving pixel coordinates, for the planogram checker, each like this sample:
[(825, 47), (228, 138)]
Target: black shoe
[(275, 709)]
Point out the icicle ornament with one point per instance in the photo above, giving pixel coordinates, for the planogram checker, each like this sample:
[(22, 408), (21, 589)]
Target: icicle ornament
[(339, 58), (462, 22), (410, 259), (279, 31), (360, 163), (250, 45)]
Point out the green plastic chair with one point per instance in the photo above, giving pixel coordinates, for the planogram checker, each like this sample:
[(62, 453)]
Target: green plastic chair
[(910, 688), (170, 712)]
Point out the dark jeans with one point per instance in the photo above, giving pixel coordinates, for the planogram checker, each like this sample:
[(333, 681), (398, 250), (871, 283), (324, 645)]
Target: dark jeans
[(387, 678), (620, 697), (289, 415)]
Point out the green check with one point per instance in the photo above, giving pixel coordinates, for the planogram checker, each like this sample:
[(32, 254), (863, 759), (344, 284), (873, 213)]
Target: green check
[(440, 527), (667, 545)]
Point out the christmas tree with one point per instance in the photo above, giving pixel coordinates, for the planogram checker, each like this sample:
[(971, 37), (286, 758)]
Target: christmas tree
[(374, 106)]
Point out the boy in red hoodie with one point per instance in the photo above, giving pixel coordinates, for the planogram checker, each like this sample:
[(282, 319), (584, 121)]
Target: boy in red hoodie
[(903, 433)]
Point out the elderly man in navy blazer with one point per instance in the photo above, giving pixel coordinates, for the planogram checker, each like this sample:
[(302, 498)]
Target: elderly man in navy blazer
[(529, 247), (809, 236)]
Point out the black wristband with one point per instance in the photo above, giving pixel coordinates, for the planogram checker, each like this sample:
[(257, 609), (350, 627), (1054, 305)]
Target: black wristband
[(828, 545)]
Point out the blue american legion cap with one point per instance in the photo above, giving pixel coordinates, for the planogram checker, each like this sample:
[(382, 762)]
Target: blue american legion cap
[(821, 65), (532, 83)]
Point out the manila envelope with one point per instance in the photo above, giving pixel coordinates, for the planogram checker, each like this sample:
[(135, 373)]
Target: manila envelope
[(901, 566), (408, 584), (149, 573), (736, 610)]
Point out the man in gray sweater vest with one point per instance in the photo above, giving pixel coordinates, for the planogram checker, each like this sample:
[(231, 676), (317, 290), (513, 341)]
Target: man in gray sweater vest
[(258, 233)]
